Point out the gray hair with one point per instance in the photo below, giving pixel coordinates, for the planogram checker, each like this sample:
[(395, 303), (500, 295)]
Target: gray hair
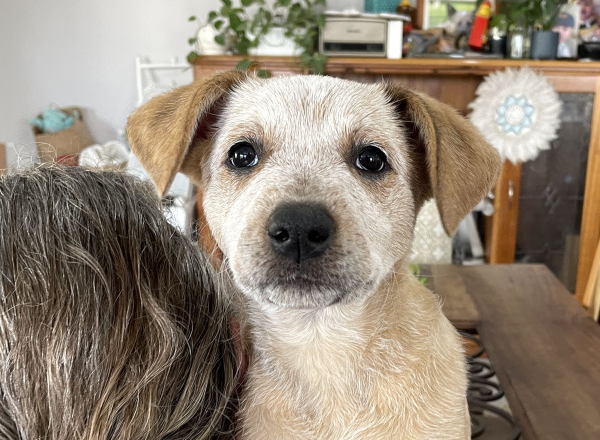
[(110, 324)]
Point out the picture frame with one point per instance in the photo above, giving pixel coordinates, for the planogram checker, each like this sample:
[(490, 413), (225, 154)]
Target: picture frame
[(431, 13), (567, 26), (589, 20)]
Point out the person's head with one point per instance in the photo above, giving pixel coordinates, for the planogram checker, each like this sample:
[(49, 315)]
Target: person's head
[(110, 324), (564, 25)]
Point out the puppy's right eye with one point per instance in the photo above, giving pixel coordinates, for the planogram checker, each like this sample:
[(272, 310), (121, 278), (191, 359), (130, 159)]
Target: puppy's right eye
[(371, 159), (243, 155)]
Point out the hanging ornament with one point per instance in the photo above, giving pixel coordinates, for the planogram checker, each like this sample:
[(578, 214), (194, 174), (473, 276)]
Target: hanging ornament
[(518, 112)]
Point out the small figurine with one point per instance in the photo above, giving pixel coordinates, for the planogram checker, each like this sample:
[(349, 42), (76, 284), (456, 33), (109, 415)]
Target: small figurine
[(478, 36), (406, 8)]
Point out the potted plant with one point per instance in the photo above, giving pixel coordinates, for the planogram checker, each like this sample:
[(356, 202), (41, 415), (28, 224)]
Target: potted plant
[(544, 42), (540, 15), (518, 28), (241, 28)]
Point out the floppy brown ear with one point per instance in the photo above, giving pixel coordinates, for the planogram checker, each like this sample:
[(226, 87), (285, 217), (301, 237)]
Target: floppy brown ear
[(162, 131), (460, 167)]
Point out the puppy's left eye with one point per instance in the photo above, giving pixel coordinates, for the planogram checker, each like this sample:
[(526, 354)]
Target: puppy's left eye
[(371, 159), (243, 155)]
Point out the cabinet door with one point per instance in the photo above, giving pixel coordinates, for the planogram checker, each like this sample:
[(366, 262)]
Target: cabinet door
[(539, 204), (501, 228)]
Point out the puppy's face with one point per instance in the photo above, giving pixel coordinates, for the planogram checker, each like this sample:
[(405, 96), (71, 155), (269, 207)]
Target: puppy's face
[(311, 184), (307, 189)]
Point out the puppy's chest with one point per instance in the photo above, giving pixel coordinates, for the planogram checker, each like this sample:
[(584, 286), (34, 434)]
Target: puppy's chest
[(324, 364), (376, 397), (325, 392), (325, 375)]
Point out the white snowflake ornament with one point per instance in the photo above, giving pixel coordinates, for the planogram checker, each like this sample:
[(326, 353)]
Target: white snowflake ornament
[(518, 112)]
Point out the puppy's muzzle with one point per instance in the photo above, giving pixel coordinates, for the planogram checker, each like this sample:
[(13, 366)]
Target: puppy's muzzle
[(300, 231)]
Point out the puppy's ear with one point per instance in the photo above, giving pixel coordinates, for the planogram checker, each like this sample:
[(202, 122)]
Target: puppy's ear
[(453, 162), (162, 131)]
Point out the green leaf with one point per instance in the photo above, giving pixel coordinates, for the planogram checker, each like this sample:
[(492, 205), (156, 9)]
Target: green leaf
[(263, 73), (236, 22), (225, 11), (259, 22), (318, 63), (220, 39), (217, 24), (415, 269), (227, 3), (191, 57), (243, 65), (192, 18), (243, 45), (247, 2), (305, 59), (255, 42), (254, 25), (192, 41), (321, 21), (212, 15), (318, 67)]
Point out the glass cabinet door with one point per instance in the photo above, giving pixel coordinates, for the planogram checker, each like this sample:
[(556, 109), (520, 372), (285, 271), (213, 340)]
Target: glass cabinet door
[(551, 194)]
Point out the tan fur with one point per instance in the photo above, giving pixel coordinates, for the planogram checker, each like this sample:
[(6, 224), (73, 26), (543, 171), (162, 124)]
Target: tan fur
[(461, 166), (349, 346), (173, 123), (389, 368)]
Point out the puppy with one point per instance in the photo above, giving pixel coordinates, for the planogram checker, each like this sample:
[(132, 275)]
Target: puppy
[(110, 326), (310, 187)]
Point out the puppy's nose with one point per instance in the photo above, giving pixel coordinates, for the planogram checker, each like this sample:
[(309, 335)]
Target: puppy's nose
[(300, 231)]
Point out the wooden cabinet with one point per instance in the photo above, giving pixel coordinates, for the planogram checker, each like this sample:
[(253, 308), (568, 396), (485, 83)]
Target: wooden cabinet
[(454, 82)]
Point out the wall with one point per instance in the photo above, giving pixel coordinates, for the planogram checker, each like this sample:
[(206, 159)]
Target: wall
[(82, 52)]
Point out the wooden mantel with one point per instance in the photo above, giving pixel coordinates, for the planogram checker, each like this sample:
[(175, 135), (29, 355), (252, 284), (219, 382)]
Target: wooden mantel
[(454, 81), (422, 66), (584, 73)]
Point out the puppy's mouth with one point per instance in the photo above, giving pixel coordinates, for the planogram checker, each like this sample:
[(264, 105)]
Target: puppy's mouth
[(304, 295), (305, 287)]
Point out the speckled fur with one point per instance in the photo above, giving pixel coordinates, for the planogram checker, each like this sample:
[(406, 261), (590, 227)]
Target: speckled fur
[(351, 346)]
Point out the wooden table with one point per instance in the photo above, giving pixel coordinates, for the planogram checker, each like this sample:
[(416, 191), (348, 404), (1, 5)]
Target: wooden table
[(544, 347)]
